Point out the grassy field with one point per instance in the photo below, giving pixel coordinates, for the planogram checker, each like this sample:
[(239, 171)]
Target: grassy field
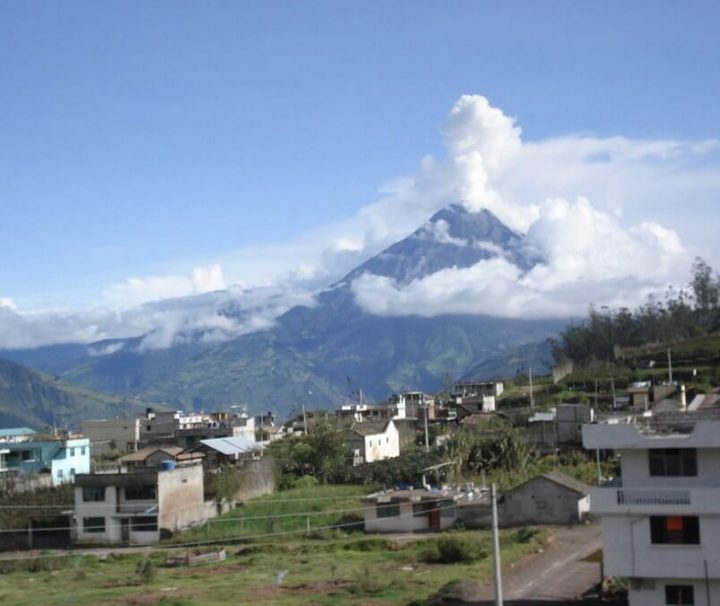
[(262, 539), (326, 571), (289, 511)]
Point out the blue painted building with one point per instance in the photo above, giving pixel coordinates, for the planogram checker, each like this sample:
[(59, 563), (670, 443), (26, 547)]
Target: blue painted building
[(62, 458)]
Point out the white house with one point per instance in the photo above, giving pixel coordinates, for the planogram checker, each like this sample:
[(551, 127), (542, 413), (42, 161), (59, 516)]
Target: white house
[(662, 520), (413, 510), (140, 506), (373, 441)]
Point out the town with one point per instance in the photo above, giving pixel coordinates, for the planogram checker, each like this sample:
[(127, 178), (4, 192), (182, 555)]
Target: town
[(619, 464)]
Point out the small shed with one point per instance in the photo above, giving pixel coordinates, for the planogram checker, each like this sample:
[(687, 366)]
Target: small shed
[(549, 498), (152, 456), (410, 510), (231, 450)]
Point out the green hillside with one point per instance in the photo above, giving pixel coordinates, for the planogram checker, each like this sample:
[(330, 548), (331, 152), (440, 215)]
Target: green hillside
[(34, 399)]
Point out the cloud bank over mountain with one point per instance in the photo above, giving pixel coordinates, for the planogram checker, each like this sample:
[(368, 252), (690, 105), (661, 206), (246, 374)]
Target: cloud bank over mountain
[(604, 214)]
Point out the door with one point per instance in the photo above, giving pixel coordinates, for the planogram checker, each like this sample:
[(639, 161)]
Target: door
[(125, 529), (434, 517)]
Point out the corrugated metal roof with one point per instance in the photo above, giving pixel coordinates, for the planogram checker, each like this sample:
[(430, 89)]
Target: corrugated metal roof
[(16, 431), (231, 446)]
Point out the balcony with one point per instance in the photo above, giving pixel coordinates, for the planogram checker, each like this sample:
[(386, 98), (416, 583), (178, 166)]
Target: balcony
[(653, 497), (127, 507), (661, 501)]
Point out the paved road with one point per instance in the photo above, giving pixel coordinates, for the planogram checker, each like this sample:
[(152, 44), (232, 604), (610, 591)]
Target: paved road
[(557, 574)]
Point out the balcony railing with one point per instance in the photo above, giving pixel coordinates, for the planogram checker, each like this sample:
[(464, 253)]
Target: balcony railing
[(653, 497), (141, 507)]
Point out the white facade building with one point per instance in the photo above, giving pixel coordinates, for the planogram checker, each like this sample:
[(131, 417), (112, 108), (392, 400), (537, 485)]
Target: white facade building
[(138, 507), (372, 441), (661, 523)]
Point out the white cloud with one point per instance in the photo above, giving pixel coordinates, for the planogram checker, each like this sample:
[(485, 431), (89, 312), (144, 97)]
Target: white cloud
[(209, 317), (615, 218), (135, 291), (589, 256)]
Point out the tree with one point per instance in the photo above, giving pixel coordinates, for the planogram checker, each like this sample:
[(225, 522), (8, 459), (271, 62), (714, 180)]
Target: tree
[(320, 453), (706, 291)]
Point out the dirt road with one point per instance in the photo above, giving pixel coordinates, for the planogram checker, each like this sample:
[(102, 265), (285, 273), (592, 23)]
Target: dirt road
[(558, 574)]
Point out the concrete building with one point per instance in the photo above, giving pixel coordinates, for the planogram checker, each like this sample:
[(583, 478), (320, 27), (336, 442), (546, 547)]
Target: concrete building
[(373, 441), (549, 498), (661, 520), (467, 389), (108, 435), (413, 510), (17, 434), (570, 418), (138, 507), (61, 458), (151, 456)]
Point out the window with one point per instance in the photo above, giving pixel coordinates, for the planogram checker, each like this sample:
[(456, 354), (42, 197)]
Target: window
[(388, 510), (94, 524), (140, 493), (679, 594), (423, 509), (447, 509), (674, 530), (93, 494), (27, 455), (72, 452), (144, 523), (82, 451), (673, 462)]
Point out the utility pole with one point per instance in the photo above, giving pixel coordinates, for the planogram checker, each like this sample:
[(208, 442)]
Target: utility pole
[(596, 394), (532, 393), (669, 367), (612, 385), (427, 437), (304, 419), (496, 548)]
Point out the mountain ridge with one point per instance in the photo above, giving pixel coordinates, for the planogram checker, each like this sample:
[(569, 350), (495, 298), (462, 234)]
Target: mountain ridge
[(318, 355)]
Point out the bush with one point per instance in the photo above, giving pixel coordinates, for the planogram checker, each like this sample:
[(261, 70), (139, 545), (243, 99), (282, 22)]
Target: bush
[(146, 570), (453, 550), (368, 545), (525, 535)]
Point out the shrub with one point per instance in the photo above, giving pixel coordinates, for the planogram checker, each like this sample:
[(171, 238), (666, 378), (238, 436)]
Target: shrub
[(146, 570), (525, 534), (453, 550), (368, 545)]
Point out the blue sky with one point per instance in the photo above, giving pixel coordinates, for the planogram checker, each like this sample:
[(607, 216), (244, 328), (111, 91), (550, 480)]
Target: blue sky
[(146, 139)]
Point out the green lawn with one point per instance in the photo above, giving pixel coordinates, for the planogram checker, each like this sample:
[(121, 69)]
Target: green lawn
[(262, 538), (350, 570), (289, 511)]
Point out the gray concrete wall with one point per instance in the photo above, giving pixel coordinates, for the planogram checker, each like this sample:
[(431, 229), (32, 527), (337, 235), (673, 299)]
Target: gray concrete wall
[(257, 478), (539, 501)]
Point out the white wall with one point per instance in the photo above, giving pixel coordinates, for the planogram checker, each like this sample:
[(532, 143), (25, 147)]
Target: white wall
[(180, 497), (383, 446), (629, 552), (656, 595), (636, 471), (405, 522)]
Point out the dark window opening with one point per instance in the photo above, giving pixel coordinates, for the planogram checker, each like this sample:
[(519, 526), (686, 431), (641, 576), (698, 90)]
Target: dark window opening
[(680, 594), (94, 524), (388, 510), (673, 462), (675, 530), (93, 493), (144, 523), (140, 493)]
